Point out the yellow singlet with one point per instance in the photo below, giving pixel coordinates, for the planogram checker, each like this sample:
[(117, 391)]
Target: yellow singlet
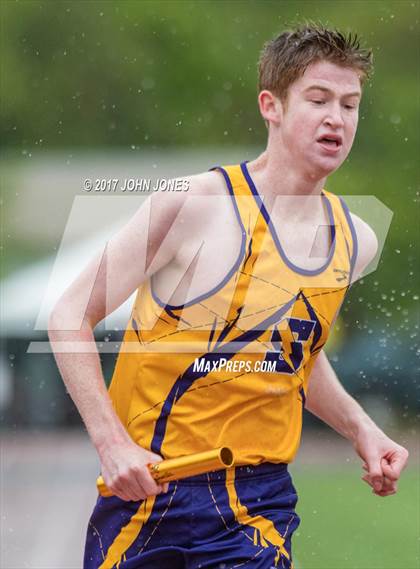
[(231, 367)]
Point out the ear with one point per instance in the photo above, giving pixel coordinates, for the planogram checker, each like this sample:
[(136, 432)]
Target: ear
[(271, 107)]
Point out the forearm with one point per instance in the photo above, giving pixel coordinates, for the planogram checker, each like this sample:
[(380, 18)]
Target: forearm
[(328, 400), (82, 375)]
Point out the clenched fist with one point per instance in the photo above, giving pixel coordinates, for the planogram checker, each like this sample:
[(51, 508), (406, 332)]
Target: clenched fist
[(125, 472)]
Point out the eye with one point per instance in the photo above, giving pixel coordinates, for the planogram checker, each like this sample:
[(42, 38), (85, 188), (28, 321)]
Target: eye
[(349, 107), (318, 102)]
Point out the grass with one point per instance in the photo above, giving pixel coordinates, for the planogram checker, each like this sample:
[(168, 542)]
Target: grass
[(345, 526)]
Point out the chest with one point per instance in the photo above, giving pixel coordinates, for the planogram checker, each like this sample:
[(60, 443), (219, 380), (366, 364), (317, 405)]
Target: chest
[(210, 254)]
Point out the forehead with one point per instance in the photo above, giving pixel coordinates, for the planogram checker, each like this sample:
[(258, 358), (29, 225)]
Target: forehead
[(326, 74)]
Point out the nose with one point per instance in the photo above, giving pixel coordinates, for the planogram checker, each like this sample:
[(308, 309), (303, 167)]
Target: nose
[(334, 118)]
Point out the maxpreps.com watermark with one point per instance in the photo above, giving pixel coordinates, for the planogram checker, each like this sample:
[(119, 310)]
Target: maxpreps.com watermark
[(237, 366), (130, 185)]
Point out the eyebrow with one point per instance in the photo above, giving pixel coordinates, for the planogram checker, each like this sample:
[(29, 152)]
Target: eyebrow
[(325, 89)]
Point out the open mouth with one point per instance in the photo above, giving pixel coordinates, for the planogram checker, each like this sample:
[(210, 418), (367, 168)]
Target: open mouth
[(330, 142)]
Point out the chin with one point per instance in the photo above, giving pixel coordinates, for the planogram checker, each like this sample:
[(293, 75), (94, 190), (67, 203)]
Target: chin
[(322, 168)]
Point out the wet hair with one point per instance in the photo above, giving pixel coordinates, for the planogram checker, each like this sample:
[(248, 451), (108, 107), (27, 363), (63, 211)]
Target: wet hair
[(284, 59)]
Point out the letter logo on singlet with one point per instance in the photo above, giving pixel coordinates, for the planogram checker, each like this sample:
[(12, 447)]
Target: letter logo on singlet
[(288, 344)]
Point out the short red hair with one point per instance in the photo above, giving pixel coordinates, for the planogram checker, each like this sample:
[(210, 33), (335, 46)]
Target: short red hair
[(285, 58)]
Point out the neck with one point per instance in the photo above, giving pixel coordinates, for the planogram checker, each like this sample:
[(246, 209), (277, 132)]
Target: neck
[(286, 189), (277, 175)]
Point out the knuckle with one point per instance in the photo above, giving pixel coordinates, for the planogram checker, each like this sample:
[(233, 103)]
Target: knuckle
[(143, 471), (132, 471), (124, 476), (137, 468), (113, 485), (128, 475)]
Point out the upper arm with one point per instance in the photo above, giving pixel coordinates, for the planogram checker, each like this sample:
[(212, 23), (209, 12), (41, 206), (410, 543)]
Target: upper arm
[(148, 242), (367, 246)]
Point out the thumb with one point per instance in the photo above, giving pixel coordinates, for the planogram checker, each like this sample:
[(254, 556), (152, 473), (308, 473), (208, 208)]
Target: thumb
[(375, 472), (388, 471), (153, 457)]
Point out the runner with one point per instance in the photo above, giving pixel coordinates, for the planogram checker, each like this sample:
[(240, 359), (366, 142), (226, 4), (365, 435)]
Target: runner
[(239, 282)]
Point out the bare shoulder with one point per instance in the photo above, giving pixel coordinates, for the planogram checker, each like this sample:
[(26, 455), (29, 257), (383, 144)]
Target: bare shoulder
[(184, 214), (197, 185), (207, 184), (199, 198), (367, 244), (167, 205)]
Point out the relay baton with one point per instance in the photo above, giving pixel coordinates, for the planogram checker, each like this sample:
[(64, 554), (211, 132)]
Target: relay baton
[(181, 467)]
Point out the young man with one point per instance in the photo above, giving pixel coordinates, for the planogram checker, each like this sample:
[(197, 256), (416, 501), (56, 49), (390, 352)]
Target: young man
[(229, 278)]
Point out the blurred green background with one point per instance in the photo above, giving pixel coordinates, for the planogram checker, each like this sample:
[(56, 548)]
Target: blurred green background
[(344, 526), (87, 81), (139, 76)]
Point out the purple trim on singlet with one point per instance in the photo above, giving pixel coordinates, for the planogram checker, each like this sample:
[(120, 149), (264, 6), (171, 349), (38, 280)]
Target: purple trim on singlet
[(232, 270), (276, 240), (302, 394), (353, 236)]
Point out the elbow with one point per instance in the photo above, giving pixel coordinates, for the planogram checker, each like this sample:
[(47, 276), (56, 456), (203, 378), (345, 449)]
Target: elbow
[(57, 320), (66, 317)]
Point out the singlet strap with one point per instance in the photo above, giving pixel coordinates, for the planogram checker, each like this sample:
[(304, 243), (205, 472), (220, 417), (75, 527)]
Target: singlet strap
[(254, 226), (343, 217), (245, 204), (351, 238)]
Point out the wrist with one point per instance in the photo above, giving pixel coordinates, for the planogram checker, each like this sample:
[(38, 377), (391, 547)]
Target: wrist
[(105, 443), (362, 427)]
